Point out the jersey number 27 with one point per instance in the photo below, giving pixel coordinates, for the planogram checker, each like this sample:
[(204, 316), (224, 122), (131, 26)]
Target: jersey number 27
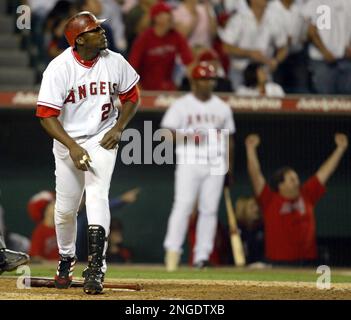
[(106, 108)]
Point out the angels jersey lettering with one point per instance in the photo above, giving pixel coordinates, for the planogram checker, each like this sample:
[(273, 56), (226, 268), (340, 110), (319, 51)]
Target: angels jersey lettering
[(192, 115)]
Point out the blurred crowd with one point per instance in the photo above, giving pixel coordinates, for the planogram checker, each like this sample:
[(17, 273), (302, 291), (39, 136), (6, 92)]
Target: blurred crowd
[(259, 47), (42, 245)]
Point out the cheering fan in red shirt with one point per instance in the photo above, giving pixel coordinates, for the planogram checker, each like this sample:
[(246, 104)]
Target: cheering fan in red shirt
[(288, 207), (154, 52)]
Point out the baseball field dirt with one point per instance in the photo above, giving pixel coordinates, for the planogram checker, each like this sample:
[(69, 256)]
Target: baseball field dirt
[(190, 284)]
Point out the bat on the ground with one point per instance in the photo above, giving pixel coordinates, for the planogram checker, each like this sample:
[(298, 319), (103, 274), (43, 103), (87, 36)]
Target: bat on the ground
[(235, 239), (49, 283)]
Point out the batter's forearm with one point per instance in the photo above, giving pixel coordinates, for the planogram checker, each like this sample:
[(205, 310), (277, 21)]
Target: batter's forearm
[(54, 128), (129, 109)]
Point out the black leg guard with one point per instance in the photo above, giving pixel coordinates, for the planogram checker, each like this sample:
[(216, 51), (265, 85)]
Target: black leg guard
[(93, 274)]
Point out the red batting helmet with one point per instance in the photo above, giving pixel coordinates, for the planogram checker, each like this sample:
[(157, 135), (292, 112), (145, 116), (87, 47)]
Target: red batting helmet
[(81, 22), (204, 71)]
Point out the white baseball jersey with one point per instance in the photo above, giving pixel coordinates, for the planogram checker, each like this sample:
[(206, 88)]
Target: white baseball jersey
[(190, 114), (243, 30), (84, 93)]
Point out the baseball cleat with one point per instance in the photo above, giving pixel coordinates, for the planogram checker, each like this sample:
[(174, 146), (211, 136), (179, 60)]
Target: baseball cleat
[(203, 264), (10, 260), (93, 280), (64, 273)]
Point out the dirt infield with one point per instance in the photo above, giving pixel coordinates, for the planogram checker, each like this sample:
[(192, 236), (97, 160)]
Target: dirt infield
[(184, 290)]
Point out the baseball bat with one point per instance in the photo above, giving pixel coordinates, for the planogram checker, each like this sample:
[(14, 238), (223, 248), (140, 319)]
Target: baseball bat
[(235, 239), (49, 283)]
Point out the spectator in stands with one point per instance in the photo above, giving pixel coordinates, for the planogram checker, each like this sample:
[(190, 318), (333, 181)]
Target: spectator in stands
[(116, 250), (330, 47), (292, 73), (112, 12), (137, 20), (41, 208), (127, 197), (196, 22), (154, 52), (40, 9), (54, 27), (251, 228), (235, 5), (288, 207), (257, 84), (127, 5), (252, 36)]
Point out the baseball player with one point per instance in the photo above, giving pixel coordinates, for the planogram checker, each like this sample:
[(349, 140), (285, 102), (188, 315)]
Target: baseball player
[(193, 116), (10, 260), (75, 107)]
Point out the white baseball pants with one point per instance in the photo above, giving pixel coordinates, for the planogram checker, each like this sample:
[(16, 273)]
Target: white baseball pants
[(194, 182), (70, 186)]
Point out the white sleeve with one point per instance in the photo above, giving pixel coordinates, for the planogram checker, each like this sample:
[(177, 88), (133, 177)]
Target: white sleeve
[(280, 36), (128, 77), (275, 90), (309, 11), (172, 119), (231, 34), (229, 121), (53, 89)]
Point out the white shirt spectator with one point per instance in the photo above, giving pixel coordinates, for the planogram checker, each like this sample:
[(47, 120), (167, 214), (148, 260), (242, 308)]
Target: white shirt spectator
[(112, 11), (338, 37), (41, 7), (291, 21), (128, 5), (273, 90), (235, 5), (243, 31), (201, 34)]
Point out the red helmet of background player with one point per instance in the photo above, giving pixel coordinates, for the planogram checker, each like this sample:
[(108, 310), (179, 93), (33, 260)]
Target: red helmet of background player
[(82, 22), (204, 70)]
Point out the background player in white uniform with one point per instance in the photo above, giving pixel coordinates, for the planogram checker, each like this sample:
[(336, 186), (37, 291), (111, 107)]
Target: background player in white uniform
[(76, 108), (196, 114)]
